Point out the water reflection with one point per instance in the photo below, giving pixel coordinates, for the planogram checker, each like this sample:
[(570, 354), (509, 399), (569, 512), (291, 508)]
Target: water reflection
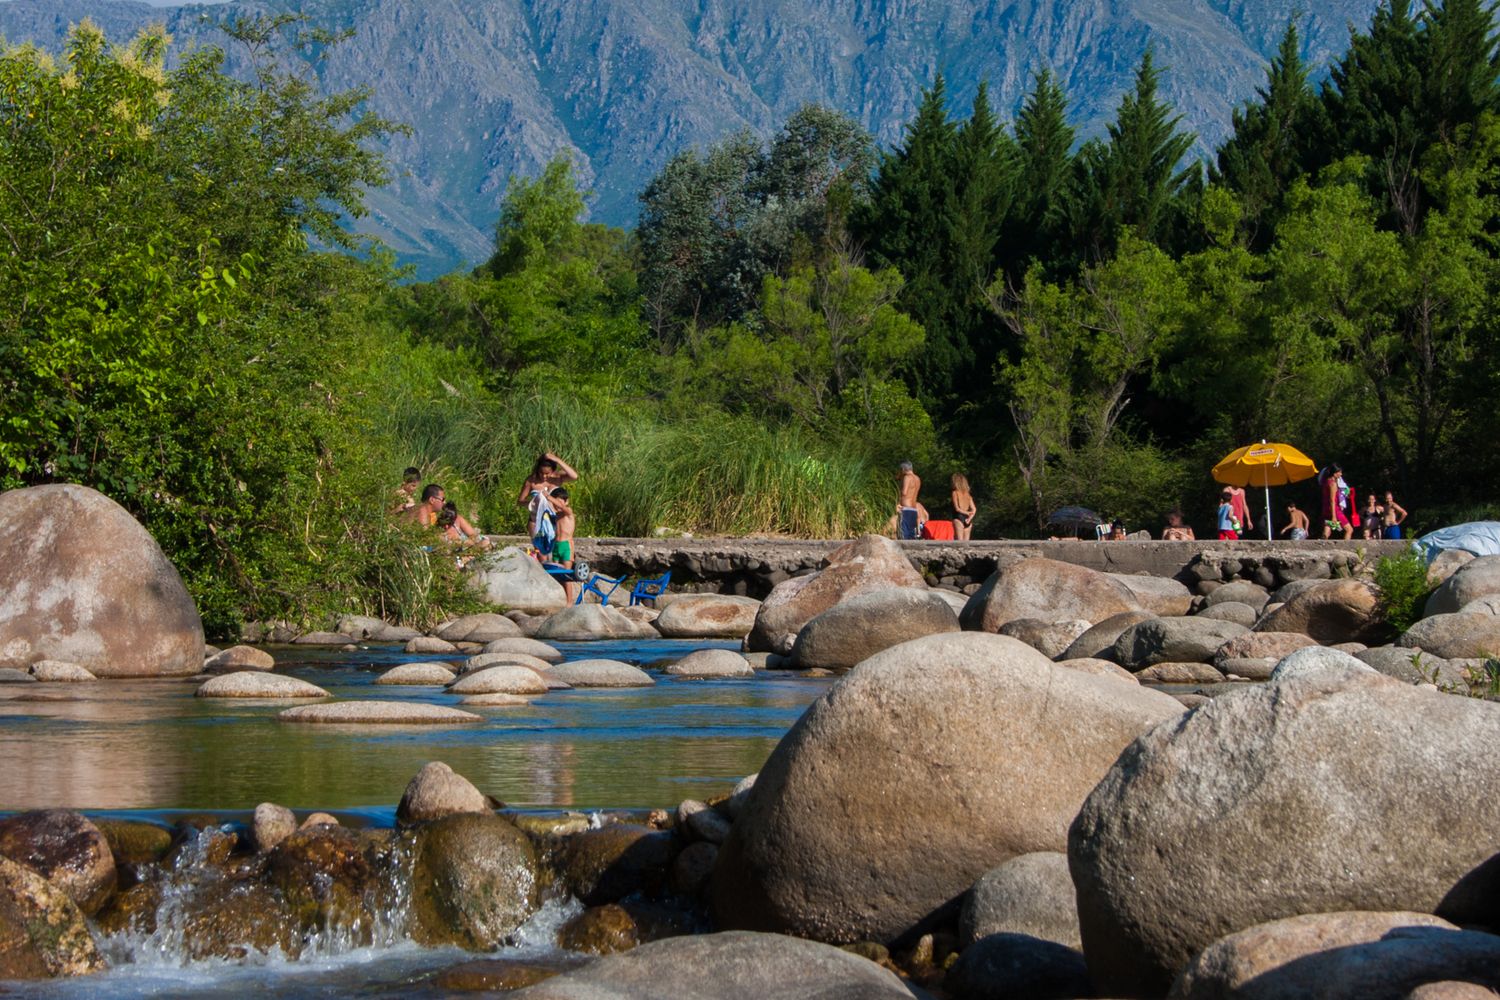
[(152, 745)]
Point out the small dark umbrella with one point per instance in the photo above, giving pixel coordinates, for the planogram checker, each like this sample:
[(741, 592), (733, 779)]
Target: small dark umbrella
[(1074, 520)]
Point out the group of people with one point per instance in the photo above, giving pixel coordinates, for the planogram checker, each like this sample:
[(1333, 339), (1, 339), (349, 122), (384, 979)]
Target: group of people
[(543, 495), (434, 510), (1378, 518), (911, 519)]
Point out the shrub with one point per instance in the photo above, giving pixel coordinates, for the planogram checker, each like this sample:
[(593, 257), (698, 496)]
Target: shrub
[(1403, 589)]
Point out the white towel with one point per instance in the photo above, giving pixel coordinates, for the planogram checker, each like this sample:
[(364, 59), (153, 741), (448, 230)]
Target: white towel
[(543, 522)]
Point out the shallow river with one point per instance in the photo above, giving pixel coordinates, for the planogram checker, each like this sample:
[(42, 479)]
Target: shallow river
[(150, 750), (150, 745)]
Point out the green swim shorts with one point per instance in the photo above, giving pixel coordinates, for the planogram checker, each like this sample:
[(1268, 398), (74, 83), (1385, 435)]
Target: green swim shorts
[(563, 552)]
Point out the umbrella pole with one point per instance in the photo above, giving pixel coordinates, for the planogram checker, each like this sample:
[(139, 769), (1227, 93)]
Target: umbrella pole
[(1268, 513)]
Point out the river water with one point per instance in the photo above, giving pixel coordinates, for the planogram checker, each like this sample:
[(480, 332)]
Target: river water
[(151, 750)]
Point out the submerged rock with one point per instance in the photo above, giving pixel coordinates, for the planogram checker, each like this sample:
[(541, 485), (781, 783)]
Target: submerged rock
[(254, 684), (379, 713), (417, 675), (237, 658), (505, 678), (485, 627), (526, 647), (58, 672), (705, 664), (600, 674)]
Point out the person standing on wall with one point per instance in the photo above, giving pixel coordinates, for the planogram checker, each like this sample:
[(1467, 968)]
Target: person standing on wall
[(963, 508), (908, 517)]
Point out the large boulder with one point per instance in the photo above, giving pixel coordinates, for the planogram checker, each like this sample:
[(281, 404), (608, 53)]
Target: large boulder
[(473, 881), (728, 966), (1158, 594), (1240, 592), (862, 626), (527, 647), (1332, 611), (583, 622), (43, 934), (1173, 640), (1031, 894), (708, 616), (1454, 636), (1044, 588), (510, 578), (926, 766), (474, 664), (1098, 643), (1330, 788), (867, 564), (1340, 956), (65, 849), (81, 581), (1474, 579)]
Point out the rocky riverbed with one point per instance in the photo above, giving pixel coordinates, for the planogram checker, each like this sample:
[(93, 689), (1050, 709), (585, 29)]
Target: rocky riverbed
[(1004, 793)]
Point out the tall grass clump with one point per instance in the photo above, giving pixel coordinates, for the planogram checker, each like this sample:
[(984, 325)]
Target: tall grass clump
[(1403, 589)]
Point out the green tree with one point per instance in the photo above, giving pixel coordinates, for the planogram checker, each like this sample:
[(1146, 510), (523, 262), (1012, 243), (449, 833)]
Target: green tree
[(1134, 182), (1269, 147), (1045, 143)]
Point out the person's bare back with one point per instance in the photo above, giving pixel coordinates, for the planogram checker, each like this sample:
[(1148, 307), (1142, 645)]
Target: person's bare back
[(908, 517), (908, 485)]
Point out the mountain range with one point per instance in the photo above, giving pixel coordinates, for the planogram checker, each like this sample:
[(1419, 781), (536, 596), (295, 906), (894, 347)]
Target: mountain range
[(493, 88)]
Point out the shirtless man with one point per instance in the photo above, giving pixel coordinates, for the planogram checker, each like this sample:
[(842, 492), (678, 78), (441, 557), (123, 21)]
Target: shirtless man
[(547, 474), (907, 513), (567, 523), (426, 512), (1394, 515), (1297, 523)]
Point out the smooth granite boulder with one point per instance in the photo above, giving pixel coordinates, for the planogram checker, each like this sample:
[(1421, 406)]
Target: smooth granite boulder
[(81, 581), (1330, 788), (503, 678), (1331, 611), (257, 684), (600, 674), (707, 616), (848, 835), (862, 626), (1455, 636), (1476, 578), (1030, 894), (510, 578), (1173, 640), (1098, 643), (707, 664), (437, 791), (1045, 588), (486, 627)]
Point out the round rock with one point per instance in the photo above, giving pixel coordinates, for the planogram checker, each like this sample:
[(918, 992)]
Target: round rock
[(58, 672), (44, 932), (1031, 894), (1050, 638), (506, 678), (67, 850), (485, 627), (1455, 636), (378, 713), (1475, 579), (600, 674), (1098, 643), (584, 622), (417, 674), (237, 658), (1045, 588), (254, 684), (708, 616), (1173, 640), (437, 791), (526, 647), (429, 644), (708, 664), (1018, 966), (862, 626), (1330, 611), (483, 660)]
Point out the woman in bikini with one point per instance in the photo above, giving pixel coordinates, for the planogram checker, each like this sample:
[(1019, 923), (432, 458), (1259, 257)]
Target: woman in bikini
[(963, 508)]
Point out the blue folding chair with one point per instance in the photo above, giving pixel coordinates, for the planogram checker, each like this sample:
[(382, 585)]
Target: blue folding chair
[(595, 582), (650, 590)]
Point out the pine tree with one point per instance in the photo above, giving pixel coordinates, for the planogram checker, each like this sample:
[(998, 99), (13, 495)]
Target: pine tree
[(1133, 181), (904, 226), (1044, 142), (1460, 64), (1266, 152)]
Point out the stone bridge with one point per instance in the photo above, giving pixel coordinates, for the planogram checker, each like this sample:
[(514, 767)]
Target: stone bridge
[(752, 566)]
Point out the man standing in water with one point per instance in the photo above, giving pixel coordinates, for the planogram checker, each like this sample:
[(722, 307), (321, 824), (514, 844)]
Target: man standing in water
[(907, 516)]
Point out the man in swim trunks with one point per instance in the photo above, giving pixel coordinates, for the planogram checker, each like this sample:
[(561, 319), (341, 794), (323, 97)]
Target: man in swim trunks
[(908, 517), (1297, 523), (1394, 515), (567, 522)]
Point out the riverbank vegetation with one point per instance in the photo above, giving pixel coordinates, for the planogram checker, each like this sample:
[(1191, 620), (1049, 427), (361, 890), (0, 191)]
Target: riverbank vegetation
[(188, 325)]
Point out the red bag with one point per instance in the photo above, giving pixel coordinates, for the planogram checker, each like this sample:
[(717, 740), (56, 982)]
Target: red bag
[(1353, 509), (938, 531)]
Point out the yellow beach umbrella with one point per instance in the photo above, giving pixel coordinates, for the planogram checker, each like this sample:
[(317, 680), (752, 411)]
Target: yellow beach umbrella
[(1265, 465)]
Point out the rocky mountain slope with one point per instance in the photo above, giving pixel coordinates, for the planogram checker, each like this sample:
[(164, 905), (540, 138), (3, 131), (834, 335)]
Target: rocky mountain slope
[(495, 87)]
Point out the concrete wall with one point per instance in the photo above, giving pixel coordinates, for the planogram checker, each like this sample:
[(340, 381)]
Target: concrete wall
[(752, 566)]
